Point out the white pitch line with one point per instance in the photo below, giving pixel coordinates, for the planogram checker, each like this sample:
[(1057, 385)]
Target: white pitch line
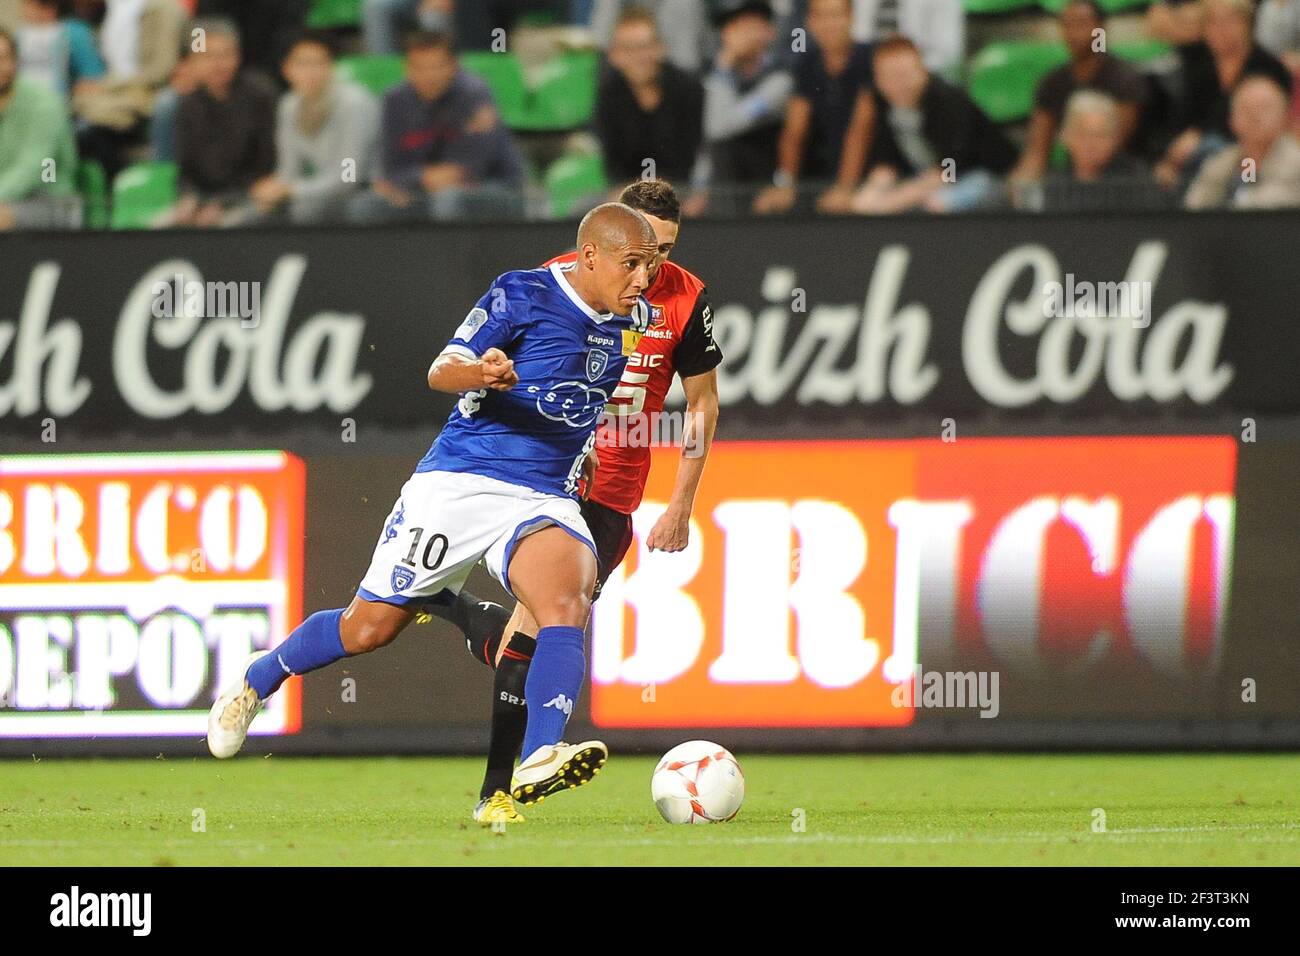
[(1260, 833)]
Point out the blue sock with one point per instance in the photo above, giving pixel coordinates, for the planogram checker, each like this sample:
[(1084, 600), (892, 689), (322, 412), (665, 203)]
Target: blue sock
[(313, 644), (554, 680)]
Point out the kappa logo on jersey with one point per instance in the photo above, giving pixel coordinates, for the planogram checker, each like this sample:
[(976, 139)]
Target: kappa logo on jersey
[(561, 703), (597, 362), (390, 529), (402, 578), (473, 322), (601, 340)]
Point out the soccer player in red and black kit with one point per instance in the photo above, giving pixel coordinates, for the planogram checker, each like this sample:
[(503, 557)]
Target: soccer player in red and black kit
[(679, 340)]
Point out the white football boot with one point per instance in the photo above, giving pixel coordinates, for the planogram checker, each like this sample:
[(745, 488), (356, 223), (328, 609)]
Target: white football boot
[(230, 716), (555, 767)]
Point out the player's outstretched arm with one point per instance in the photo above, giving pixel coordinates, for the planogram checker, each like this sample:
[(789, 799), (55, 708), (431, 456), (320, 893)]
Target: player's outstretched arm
[(453, 372), (672, 531)]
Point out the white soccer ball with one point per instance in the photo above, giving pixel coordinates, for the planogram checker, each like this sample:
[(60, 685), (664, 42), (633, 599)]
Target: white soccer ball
[(698, 782)]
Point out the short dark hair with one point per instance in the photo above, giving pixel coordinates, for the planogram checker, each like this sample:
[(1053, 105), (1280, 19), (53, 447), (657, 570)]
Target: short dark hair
[(894, 43), (217, 26), (654, 197), (1093, 7), (320, 38), (633, 15), (429, 40)]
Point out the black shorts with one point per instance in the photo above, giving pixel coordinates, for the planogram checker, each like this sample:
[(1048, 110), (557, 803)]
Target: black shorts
[(611, 533)]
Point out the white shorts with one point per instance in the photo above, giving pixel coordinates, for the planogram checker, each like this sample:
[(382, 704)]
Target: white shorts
[(445, 522)]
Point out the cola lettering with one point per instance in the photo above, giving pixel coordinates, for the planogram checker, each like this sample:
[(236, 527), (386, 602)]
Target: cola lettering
[(843, 353), (220, 358)]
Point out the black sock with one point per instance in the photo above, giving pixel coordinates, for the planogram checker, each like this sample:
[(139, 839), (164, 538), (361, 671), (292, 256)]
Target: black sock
[(509, 713), (482, 623)]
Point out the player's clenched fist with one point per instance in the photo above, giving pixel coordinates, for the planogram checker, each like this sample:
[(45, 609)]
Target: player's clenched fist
[(498, 370)]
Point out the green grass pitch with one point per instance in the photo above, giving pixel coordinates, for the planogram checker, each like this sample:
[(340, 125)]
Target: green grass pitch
[(1191, 809)]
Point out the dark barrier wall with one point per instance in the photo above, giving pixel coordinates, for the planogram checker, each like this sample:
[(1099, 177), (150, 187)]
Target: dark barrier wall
[(1129, 585), (833, 321)]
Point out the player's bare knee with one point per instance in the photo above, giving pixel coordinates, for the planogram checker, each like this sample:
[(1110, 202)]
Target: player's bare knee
[(569, 608)]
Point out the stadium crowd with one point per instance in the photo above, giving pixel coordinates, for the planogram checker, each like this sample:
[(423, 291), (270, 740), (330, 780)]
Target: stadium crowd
[(243, 111)]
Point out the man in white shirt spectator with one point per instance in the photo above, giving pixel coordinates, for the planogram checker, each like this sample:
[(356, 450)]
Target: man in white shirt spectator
[(326, 131), (1261, 170)]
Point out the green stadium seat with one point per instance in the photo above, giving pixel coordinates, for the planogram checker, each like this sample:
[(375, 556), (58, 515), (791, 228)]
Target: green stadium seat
[(565, 96), (141, 192), (572, 179), (503, 75), (326, 14), (982, 7), (92, 184), (1059, 158), (1107, 6), (1003, 76), (377, 72), (1142, 51)]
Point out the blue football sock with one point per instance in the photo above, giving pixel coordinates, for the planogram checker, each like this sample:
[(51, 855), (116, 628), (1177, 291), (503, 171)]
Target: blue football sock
[(313, 644), (554, 681)]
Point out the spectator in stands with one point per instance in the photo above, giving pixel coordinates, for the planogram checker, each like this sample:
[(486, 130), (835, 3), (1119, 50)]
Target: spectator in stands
[(140, 40), (647, 110), (1277, 30), (325, 134), (1262, 169), (827, 131), (682, 26), (1090, 68), (1102, 174), (444, 152), (1209, 73), (167, 106), (225, 133), (38, 161), (267, 27), (745, 99), (56, 51), (934, 148), (937, 27)]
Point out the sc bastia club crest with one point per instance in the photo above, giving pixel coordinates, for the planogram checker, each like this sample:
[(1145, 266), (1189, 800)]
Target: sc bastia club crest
[(596, 363), (402, 578)]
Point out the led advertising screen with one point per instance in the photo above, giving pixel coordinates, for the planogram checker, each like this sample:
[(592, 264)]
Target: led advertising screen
[(133, 586), (819, 575)]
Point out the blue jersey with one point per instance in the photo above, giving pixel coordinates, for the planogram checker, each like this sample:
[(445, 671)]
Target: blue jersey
[(569, 359)]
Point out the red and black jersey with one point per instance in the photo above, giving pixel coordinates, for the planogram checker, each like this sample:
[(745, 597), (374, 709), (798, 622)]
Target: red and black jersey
[(679, 340)]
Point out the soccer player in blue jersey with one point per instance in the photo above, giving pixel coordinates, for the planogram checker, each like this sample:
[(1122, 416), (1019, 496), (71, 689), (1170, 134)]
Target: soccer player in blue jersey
[(534, 363)]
